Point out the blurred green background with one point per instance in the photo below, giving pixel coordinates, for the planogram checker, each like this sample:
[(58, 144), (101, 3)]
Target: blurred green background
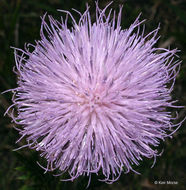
[(19, 23)]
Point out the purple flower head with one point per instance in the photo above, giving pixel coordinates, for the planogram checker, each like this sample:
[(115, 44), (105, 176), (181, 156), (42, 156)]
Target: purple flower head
[(92, 98)]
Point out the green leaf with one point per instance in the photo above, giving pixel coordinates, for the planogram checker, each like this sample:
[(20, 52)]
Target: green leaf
[(20, 168), (25, 187), (23, 177)]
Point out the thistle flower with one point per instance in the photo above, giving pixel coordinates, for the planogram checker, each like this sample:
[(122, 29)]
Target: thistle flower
[(94, 97)]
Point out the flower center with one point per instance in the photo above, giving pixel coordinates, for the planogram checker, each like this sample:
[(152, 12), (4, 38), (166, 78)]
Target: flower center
[(90, 98)]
